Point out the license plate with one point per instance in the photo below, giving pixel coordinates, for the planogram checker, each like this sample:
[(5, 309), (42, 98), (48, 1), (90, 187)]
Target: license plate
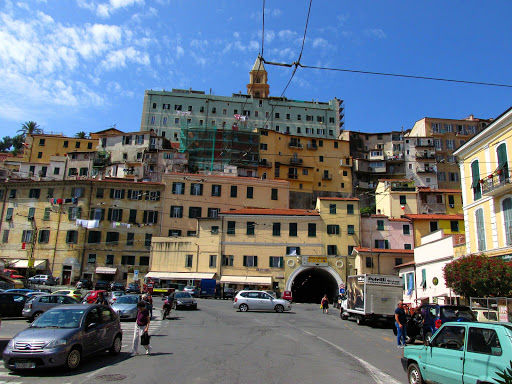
[(24, 365)]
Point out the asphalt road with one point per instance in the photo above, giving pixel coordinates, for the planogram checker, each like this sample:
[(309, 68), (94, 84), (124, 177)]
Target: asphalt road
[(216, 344)]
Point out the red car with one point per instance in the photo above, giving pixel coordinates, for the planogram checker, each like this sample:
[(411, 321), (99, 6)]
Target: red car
[(91, 297), (287, 295)]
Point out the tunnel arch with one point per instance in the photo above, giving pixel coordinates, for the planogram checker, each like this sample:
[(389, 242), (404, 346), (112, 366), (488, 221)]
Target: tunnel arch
[(309, 284)]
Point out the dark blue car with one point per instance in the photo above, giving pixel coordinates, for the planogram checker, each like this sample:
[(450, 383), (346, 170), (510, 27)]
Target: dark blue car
[(434, 315)]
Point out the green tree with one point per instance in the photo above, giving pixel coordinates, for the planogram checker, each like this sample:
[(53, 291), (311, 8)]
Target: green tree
[(17, 143), (5, 144), (81, 135), (479, 276), (30, 127)]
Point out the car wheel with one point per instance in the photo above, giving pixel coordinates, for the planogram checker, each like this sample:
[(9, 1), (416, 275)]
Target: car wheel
[(359, 320), (279, 308), (44, 283), (36, 315), (116, 346), (414, 374), (74, 358), (243, 308), (427, 338), (343, 316)]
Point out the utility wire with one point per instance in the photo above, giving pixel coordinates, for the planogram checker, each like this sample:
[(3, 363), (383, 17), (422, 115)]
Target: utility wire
[(298, 64)]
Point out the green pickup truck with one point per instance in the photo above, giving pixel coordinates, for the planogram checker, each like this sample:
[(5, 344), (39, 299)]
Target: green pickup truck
[(460, 352)]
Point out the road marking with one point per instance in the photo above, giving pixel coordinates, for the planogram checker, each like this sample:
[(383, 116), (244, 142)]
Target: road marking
[(377, 375)]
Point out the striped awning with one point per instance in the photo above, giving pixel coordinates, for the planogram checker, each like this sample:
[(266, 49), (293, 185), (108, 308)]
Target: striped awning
[(251, 280), (106, 271), (179, 275)]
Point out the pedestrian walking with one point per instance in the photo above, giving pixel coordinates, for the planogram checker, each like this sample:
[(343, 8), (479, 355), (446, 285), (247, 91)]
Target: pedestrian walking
[(149, 303), (141, 327), (401, 324), (325, 304)]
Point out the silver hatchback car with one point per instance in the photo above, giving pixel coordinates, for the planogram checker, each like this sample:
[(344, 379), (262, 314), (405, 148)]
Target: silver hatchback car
[(37, 305), (251, 300)]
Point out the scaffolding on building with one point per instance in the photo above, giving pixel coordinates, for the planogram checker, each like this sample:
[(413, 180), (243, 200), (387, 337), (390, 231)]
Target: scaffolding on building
[(214, 149)]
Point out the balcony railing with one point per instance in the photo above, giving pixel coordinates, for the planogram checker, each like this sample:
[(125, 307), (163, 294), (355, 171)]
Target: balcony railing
[(326, 177), (293, 176), (311, 146), (426, 170), (424, 144), (295, 160), (422, 156), (265, 163), (499, 182), (293, 144)]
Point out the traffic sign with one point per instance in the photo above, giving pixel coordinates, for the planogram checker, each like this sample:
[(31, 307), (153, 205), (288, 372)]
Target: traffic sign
[(136, 274), (342, 285), (342, 291)]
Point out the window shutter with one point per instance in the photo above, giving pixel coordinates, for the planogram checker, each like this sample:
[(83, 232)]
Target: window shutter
[(79, 213), (270, 261), (386, 244), (255, 261), (109, 214), (129, 194), (245, 261), (111, 193), (173, 188), (145, 217), (281, 262), (102, 214), (475, 172), (91, 214), (120, 215), (376, 243), (156, 217), (70, 213), (146, 193), (122, 193)]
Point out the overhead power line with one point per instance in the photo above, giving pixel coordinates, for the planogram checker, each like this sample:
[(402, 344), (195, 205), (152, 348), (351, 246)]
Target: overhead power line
[(298, 64)]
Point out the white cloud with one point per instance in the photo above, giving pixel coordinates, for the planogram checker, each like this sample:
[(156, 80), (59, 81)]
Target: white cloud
[(375, 33), (269, 36), (287, 34), (105, 9), (199, 44), (319, 43), (179, 51)]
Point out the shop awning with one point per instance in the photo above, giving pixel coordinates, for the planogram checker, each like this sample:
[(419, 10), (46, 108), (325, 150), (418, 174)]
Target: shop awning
[(253, 280), (179, 275), (106, 271), (38, 264)]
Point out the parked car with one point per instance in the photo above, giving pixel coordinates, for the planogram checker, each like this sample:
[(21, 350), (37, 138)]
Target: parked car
[(229, 293), (91, 297), (22, 291), (184, 300), (62, 336), (287, 295), (461, 352), (12, 304), (126, 307), (85, 284), (35, 293), (42, 279), (259, 301), (486, 315), (194, 291), (117, 287), (102, 285), (115, 295), (37, 305), (434, 315), (74, 293), (133, 288)]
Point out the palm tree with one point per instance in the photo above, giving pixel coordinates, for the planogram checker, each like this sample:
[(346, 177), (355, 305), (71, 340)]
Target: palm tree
[(29, 128), (81, 135)]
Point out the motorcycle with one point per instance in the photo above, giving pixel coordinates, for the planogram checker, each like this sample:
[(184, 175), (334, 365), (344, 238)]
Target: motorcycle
[(166, 309)]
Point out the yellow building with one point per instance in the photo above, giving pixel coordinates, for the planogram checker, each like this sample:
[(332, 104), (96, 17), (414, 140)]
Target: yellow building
[(380, 261), (424, 224), (487, 188), (278, 249), (398, 197), (190, 196), (83, 228), (313, 166), (40, 147)]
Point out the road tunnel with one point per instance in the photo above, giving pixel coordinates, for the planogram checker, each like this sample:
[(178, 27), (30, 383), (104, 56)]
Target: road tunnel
[(310, 285)]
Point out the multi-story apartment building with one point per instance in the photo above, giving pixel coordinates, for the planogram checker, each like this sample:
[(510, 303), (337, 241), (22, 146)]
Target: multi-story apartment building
[(305, 251), (375, 156), (447, 135), (420, 161), (100, 229), (400, 197), (191, 196), (314, 167), (425, 224), (487, 188)]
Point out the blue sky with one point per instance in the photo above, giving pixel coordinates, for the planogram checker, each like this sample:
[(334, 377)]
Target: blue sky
[(83, 65)]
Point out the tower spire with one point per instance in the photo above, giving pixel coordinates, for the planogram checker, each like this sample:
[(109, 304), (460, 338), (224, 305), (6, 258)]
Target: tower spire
[(258, 80)]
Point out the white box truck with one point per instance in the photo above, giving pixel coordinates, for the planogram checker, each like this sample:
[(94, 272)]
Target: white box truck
[(371, 297)]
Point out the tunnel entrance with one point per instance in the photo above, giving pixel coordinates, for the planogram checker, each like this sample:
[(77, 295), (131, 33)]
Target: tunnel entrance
[(311, 284)]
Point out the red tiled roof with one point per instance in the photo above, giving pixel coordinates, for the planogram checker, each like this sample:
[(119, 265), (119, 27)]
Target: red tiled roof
[(381, 250), (405, 264), (434, 217), (339, 198), (400, 219), (446, 190), (272, 212)]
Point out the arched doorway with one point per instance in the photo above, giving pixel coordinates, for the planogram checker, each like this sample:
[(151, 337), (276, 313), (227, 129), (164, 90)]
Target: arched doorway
[(310, 284)]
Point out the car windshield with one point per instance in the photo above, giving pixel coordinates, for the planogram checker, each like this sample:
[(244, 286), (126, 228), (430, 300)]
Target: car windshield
[(62, 292), (457, 313), (183, 295), (117, 293), (128, 300), (189, 287), (31, 298), (59, 318)]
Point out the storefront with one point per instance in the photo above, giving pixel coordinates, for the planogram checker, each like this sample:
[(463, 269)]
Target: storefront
[(247, 282), (106, 273)]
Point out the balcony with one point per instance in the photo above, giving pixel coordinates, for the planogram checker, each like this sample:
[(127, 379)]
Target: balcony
[(403, 186), (326, 177), (265, 164), (395, 157), (498, 183), (295, 161), (293, 176), (438, 131), (462, 133), (293, 144), (425, 156), (312, 146), (425, 143), (426, 170)]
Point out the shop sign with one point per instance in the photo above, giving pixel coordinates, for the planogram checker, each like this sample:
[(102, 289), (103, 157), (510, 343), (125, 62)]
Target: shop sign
[(314, 260)]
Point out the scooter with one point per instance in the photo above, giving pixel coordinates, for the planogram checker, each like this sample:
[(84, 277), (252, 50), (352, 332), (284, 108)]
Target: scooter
[(166, 309)]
